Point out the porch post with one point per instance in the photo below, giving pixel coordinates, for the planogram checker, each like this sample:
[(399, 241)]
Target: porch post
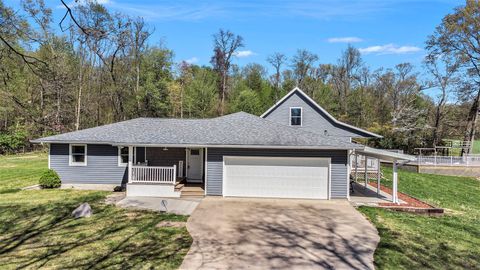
[(130, 163), (395, 180), (366, 171), (378, 177), (356, 167)]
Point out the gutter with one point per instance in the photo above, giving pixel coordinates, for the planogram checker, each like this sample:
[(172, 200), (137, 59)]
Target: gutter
[(207, 145)]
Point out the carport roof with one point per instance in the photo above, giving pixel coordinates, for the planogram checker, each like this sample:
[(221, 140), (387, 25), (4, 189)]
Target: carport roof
[(384, 154), (234, 130)]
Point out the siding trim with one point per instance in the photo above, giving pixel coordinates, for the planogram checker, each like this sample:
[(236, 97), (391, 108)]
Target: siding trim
[(77, 164), (290, 116), (119, 156), (205, 161)]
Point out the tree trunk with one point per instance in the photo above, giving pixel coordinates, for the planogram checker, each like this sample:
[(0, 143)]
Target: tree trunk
[(79, 97), (137, 85), (224, 86), (438, 119), (471, 124)]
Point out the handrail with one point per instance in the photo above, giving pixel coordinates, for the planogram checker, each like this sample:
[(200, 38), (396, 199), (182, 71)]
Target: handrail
[(152, 174)]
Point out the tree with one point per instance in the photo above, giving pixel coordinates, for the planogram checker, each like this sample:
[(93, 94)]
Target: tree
[(226, 44), (459, 35), (443, 69), (345, 75), (201, 97), (302, 63), (277, 60)]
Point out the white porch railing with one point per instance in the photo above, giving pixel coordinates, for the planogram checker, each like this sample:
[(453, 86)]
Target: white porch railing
[(468, 160), (151, 174)]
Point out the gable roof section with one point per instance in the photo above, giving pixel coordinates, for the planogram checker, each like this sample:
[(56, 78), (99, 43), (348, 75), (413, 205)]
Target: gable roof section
[(234, 130), (322, 110)]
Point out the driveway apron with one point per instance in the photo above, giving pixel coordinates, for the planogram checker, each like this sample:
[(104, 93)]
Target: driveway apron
[(231, 233)]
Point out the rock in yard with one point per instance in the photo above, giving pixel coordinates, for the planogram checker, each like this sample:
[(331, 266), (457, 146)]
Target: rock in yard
[(84, 210)]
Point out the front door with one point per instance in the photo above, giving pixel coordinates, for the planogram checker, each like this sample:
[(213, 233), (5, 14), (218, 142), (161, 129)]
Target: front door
[(194, 165)]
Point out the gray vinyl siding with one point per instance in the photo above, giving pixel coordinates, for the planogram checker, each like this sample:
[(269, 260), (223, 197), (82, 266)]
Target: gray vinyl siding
[(339, 175), (102, 165), (313, 119)]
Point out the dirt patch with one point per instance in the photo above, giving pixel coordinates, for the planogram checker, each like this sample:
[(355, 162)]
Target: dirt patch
[(172, 224), (115, 197), (131, 215)]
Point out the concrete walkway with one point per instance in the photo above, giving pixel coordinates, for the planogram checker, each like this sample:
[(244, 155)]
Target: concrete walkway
[(178, 206), (279, 234), (369, 196)]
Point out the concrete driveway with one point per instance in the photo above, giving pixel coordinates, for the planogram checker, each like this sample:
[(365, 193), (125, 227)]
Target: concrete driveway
[(279, 234)]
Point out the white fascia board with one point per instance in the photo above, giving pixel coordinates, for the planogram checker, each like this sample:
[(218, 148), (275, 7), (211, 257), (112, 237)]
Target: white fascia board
[(209, 145)]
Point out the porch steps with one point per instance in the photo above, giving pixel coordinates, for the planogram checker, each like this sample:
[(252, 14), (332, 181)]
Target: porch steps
[(192, 192), (179, 186)]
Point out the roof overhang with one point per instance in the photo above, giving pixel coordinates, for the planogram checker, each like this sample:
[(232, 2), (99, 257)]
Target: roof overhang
[(187, 145), (384, 154)]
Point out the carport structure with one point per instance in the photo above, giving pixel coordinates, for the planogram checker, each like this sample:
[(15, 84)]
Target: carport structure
[(380, 155)]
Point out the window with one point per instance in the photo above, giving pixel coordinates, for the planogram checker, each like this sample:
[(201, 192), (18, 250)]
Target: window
[(295, 116), (78, 155), (194, 152), (122, 156)]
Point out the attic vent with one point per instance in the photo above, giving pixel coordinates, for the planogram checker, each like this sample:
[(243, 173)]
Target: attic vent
[(325, 132)]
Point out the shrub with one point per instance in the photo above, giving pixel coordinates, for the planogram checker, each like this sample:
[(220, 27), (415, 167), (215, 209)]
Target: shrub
[(50, 179)]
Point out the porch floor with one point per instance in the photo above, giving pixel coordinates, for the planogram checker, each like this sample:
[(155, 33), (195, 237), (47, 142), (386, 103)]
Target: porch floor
[(368, 196)]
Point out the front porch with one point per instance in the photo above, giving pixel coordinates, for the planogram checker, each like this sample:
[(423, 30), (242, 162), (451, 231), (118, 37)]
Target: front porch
[(165, 171)]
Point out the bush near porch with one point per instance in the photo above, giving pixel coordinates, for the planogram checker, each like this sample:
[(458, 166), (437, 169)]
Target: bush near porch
[(410, 241), (37, 230)]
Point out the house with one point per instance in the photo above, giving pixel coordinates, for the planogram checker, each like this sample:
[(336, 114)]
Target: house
[(296, 149)]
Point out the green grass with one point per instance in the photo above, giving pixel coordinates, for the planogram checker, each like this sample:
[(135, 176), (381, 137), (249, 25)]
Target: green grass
[(37, 230), (457, 151), (411, 241), (476, 147), (17, 171)]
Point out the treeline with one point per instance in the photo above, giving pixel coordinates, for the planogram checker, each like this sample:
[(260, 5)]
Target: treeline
[(102, 68)]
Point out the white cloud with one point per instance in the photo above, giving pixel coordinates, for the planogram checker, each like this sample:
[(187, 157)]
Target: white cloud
[(344, 40), (245, 53), (192, 60), (389, 49)]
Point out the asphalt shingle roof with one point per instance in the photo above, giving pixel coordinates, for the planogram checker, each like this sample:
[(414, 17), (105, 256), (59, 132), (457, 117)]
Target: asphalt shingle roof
[(234, 129)]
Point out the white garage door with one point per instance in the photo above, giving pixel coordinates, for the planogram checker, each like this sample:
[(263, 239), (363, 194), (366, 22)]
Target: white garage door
[(276, 177)]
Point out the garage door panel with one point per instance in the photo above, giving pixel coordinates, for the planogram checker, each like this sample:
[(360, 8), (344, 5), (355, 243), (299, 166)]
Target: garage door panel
[(279, 178)]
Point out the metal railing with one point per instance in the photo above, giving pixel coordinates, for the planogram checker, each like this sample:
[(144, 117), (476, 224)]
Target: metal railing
[(151, 174), (467, 160)]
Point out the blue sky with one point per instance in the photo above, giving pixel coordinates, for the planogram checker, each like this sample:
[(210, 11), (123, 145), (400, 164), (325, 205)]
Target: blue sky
[(387, 32)]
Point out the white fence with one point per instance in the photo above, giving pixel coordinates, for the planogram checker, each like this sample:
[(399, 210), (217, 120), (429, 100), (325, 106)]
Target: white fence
[(151, 174), (468, 160)]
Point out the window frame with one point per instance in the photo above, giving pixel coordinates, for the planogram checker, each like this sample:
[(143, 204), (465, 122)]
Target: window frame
[(119, 160), (290, 117), (70, 155)]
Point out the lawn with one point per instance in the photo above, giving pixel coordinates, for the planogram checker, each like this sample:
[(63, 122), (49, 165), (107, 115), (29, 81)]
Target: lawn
[(37, 230), (17, 171), (411, 241), (475, 149)]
